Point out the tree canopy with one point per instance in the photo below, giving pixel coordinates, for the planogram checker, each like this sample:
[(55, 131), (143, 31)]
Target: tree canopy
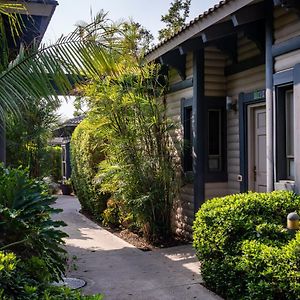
[(175, 18)]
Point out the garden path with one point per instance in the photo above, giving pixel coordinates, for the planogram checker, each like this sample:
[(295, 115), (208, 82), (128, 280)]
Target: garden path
[(120, 271)]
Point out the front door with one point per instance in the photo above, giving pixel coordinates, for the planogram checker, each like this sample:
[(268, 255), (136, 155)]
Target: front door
[(257, 149)]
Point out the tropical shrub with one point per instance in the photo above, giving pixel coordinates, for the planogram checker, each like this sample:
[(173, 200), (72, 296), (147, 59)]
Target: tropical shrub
[(86, 155), (26, 227), (28, 137), (17, 282), (244, 248), (137, 169)]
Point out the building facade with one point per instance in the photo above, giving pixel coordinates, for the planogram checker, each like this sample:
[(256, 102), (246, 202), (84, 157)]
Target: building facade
[(235, 95)]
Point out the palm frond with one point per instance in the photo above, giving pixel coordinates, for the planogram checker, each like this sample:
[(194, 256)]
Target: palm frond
[(51, 71)]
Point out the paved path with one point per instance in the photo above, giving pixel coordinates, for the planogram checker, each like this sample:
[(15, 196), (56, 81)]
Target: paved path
[(120, 271)]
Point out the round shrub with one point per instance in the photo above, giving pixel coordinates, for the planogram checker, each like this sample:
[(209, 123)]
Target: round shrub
[(244, 248), (86, 154)]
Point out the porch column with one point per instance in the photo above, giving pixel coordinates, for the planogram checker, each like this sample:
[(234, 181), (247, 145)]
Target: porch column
[(269, 96), (2, 142), (198, 128), (297, 127)]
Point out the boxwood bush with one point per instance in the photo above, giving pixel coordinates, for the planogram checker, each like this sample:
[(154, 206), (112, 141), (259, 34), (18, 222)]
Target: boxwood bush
[(244, 248)]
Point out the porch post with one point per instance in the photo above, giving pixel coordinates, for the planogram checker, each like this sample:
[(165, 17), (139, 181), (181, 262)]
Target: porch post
[(2, 142), (198, 128), (297, 127), (269, 96)]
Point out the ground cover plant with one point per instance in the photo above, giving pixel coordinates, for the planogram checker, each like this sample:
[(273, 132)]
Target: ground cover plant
[(244, 248)]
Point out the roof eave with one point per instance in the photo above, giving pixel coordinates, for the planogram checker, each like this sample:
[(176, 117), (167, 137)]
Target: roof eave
[(197, 27)]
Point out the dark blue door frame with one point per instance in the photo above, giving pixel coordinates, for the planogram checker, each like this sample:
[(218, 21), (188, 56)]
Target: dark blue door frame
[(246, 99)]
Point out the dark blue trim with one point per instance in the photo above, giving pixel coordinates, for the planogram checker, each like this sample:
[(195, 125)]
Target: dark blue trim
[(199, 128), (283, 77), (245, 65), (181, 85), (246, 99), (286, 46)]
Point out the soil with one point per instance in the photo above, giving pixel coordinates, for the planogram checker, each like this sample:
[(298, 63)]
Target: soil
[(134, 238)]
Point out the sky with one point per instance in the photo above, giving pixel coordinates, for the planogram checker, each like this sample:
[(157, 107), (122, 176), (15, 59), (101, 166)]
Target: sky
[(146, 12)]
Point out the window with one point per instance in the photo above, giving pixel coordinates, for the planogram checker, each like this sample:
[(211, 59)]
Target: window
[(188, 139), (214, 140), (289, 133), (285, 133), (215, 135)]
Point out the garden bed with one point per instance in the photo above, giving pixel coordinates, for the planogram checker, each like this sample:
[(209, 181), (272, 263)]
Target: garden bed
[(134, 238)]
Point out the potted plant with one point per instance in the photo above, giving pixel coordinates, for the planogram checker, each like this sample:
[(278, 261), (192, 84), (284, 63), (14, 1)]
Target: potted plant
[(66, 187)]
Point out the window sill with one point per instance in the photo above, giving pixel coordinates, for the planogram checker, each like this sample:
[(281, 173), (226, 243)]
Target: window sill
[(285, 185)]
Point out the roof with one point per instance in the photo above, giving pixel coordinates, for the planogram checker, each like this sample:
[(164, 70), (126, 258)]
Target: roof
[(35, 19), (194, 27), (73, 122), (64, 132)]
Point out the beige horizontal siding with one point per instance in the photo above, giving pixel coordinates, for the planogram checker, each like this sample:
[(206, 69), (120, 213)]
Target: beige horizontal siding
[(184, 212), (214, 62), (246, 48), (286, 25), (173, 112), (287, 61), (215, 189)]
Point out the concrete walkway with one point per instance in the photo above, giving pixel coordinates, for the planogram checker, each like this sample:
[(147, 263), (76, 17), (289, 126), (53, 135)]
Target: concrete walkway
[(120, 271)]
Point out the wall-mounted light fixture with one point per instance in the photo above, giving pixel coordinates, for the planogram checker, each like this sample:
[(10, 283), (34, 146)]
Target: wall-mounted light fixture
[(231, 104)]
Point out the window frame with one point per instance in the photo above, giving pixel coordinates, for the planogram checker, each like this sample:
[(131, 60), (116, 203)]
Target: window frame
[(220, 175), (211, 103), (281, 132), (186, 105)]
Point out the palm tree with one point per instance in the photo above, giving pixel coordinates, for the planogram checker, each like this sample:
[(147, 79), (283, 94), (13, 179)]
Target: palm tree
[(45, 71)]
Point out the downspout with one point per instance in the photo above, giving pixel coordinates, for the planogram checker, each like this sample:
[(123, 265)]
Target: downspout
[(269, 96), (199, 128)]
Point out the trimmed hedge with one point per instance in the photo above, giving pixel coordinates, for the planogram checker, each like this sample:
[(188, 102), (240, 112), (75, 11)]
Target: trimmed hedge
[(86, 154), (244, 248)]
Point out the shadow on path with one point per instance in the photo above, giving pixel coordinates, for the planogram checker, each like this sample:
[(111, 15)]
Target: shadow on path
[(118, 270)]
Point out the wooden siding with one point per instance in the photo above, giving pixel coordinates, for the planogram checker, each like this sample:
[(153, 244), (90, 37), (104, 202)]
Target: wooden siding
[(184, 206), (246, 48), (184, 212), (247, 81), (286, 61), (214, 73), (286, 25), (174, 76)]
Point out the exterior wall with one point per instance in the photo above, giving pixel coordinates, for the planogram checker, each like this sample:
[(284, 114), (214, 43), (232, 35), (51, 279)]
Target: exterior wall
[(247, 81), (246, 48), (215, 84), (184, 206), (286, 26)]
